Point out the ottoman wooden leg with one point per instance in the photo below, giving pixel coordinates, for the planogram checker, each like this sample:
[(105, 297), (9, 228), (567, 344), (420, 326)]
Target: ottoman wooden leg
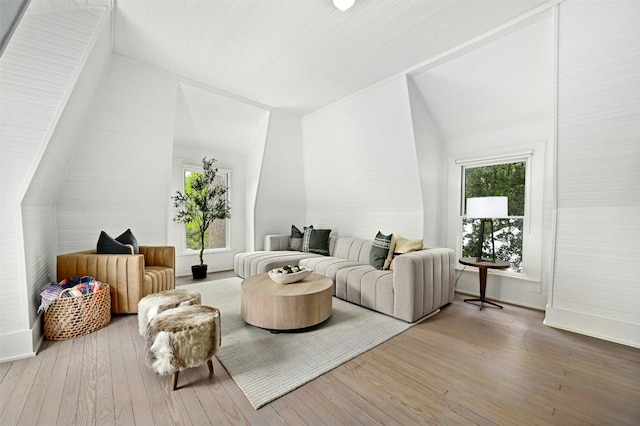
[(210, 365), (174, 380)]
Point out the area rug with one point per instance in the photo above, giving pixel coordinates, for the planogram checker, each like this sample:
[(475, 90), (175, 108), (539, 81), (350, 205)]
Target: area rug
[(266, 366)]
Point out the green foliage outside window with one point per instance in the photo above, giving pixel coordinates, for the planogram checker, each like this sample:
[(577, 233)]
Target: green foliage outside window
[(506, 180)]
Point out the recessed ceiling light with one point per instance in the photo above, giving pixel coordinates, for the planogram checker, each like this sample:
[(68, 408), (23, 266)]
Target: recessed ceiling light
[(343, 4)]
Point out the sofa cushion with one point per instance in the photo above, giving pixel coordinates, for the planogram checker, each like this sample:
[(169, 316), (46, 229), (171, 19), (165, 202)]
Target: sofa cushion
[(295, 241), (108, 245), (127, 238), (380, 250), (319, 241)]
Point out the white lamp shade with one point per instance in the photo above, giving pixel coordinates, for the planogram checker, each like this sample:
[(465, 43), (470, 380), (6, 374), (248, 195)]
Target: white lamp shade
[(343, 4), (487, 207)]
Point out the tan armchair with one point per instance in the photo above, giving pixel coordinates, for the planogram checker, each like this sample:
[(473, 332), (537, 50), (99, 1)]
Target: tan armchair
[(130, 276)]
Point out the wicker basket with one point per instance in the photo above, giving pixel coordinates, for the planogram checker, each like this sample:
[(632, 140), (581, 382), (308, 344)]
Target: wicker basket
[(70, 317)]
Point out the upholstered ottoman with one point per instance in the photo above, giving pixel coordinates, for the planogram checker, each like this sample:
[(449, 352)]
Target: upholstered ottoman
[(152, 304), (181, 338)]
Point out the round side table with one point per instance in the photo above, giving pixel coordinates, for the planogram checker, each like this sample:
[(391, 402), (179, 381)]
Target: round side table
[(483, 266)]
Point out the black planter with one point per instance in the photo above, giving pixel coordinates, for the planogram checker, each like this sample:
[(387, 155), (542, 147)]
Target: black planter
[(199, 272)]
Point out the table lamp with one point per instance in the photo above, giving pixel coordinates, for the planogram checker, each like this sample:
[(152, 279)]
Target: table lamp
[(486, 209)]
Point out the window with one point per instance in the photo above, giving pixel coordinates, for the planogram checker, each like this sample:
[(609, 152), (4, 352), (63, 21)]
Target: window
[(502, 179), (524, 227), (217, 235)]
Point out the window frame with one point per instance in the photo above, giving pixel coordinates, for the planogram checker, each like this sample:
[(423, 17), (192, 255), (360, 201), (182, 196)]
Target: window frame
[(183, 229), (533, 209)]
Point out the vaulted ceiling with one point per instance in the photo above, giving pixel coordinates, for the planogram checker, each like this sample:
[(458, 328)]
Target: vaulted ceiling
[(239, 58), (299, 55)]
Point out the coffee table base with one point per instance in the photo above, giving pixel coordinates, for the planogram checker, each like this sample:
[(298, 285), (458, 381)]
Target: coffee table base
[(284, 307)]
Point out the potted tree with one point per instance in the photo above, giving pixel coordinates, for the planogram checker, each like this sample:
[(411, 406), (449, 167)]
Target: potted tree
[(203, 201)]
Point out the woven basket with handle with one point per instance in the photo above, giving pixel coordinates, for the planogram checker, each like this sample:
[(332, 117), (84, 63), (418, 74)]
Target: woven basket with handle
[(74, 316)]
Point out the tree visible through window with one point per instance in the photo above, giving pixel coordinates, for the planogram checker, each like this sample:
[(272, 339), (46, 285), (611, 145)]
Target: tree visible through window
[(507, 180), (216, 235)]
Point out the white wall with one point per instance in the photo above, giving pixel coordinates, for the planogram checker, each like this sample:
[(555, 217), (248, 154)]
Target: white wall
[(595, 288), (253, 163), (280, 199), (496, 97), (428, 155), (121, 171), (41, 114), (361, 170)]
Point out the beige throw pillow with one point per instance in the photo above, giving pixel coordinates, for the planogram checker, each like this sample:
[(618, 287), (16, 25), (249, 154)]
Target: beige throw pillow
[(404, 245)]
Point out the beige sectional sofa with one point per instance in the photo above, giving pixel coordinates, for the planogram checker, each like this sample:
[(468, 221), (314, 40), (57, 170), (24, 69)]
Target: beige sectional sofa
[(420, 283)]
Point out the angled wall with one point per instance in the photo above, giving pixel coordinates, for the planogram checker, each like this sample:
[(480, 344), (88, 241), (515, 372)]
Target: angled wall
[(595, 288), (361, 167), (47, 79), (121, 170)]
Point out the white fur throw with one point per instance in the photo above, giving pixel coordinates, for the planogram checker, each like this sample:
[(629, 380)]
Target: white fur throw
[(154, 303), (183, 337)]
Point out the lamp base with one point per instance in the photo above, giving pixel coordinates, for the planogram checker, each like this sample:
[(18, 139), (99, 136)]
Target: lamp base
[(479, 257)]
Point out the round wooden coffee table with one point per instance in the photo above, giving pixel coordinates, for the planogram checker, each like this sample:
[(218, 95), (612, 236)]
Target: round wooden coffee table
[(267, 304)]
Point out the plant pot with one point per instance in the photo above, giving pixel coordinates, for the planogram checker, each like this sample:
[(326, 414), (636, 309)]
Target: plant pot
[(199, 272)]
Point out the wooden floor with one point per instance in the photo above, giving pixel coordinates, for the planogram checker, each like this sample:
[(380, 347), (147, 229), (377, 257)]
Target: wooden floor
[(462, 366)]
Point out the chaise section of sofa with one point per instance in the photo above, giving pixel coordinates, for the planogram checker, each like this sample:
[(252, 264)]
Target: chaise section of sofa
[(420, 283)]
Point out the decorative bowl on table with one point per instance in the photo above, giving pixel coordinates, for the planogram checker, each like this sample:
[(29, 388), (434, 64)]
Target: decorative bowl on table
[(288, 274)]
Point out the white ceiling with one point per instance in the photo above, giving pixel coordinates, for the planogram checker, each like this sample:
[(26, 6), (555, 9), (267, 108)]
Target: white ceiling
[(238, 59), (299, 55), (208, 121)]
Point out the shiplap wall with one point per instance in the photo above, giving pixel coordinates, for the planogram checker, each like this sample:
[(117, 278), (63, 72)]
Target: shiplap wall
[(253, 168), (361, 171), (428, 152), (495, 97), (121, 171), (38, 71), (596, 288), (280, 199)]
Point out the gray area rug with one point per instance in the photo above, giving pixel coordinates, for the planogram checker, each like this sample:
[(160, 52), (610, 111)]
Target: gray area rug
[(266, 366)]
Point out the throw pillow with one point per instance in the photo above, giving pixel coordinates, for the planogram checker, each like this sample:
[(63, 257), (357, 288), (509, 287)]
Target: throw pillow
[(319, 241), (306, 237), (128, 238), (389, 259), (380, 250), (108, 245), (404, 245), (295, 240)]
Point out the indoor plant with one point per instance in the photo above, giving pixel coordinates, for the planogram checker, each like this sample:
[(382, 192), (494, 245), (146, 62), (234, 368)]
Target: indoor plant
[(202, 202)]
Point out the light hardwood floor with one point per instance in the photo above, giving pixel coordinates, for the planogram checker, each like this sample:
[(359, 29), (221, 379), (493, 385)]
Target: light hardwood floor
[(462, 366)]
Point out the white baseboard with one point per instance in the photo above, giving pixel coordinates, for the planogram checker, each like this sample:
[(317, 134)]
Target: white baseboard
[(590, 325), (21, 344)]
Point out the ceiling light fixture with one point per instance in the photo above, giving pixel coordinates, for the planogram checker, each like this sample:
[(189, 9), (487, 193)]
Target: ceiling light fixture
[(343, 4)]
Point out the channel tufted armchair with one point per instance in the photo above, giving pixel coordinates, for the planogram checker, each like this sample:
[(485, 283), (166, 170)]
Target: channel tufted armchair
[(130, 276)]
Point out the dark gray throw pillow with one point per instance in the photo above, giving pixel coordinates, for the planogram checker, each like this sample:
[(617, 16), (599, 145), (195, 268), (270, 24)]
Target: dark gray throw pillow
[(127, 237), (295, 240), (319, 241), (108, 245), (380, 250)]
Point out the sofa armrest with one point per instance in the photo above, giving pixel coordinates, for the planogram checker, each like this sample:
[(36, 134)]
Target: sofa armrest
[(423, 281), (159, 256), (276, 242)]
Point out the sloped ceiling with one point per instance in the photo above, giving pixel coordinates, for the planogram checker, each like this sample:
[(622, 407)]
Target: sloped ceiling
[(205, 119), (301, 55)]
